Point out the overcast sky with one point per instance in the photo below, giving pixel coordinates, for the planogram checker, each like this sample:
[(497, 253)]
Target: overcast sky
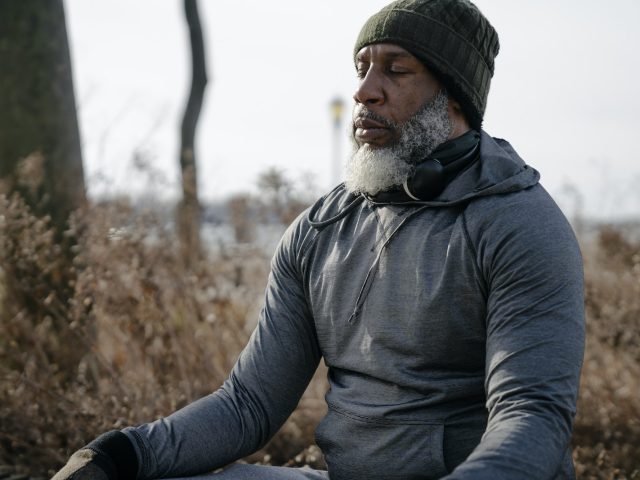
[(565, 92)]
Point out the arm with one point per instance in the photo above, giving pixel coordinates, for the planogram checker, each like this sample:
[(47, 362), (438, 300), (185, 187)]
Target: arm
[(535, 340), (262, 390)]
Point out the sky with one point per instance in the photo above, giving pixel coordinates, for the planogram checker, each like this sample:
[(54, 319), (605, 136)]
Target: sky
[(564, 94)]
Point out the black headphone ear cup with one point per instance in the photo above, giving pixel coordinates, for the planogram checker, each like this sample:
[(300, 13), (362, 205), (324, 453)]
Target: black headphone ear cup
[(433, 174), (427, 182)]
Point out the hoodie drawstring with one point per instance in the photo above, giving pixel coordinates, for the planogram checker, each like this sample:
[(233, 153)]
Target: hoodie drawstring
[(368, 281)]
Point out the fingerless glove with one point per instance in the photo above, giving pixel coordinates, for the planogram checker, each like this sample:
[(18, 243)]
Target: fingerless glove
[(111, 456)]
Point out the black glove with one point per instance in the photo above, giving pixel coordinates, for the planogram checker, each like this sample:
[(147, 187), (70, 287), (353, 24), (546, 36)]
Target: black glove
[(81, 466), (111, 456)]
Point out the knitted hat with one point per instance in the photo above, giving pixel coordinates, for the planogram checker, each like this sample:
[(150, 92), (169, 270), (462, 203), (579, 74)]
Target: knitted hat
[(451, 37)]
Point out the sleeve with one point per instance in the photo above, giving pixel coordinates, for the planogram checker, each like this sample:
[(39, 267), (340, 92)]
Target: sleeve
[(535, 342), (262, 390)]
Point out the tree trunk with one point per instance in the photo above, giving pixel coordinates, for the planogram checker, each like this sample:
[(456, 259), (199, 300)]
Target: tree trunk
[(40, 159), (40, 154), (189, 209)]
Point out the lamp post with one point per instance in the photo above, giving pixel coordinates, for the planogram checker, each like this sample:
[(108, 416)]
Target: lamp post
[(337, 109)]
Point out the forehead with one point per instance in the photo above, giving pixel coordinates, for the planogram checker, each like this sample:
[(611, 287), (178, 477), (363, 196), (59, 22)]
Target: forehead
[(384, 51)]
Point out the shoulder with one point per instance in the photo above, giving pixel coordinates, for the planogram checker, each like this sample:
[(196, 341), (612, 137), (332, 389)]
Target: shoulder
[(531, 209), (524, 228), (302, 232)]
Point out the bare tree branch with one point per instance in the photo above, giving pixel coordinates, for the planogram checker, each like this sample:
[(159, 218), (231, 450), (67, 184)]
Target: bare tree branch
[(189, 211)]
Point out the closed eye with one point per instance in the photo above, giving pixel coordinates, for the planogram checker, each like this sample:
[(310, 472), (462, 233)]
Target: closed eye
[(399, 71), (361, 71)]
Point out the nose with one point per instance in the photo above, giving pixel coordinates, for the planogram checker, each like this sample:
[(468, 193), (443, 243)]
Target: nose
[(370, 91)]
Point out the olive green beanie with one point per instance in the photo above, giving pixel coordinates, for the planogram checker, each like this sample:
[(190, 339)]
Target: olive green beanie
[(451, 37)]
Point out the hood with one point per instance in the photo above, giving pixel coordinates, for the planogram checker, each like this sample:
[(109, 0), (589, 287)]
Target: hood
[(498, 170)]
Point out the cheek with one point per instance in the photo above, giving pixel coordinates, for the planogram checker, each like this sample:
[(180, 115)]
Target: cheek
[(413, 98), (408, 106)]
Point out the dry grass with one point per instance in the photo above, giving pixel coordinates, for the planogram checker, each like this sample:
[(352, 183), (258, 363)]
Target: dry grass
[(607, 431), (142, 335)]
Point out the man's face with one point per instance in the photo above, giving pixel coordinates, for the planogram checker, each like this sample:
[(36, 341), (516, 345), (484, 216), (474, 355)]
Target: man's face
[(401, 114), (393, 85)]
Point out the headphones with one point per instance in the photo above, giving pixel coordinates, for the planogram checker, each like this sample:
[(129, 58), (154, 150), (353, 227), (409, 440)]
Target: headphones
[(433, 174)]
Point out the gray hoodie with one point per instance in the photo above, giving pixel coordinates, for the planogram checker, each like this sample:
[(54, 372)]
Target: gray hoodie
[(453, 331)]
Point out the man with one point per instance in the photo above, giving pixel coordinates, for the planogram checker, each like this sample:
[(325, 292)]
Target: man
[(440, 283)]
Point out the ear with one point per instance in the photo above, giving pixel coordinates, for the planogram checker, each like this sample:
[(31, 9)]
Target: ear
[(455, 106), (457, 116)]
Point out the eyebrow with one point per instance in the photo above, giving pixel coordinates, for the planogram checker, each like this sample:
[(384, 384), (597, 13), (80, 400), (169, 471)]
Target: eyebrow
[(400, 55), (390, 55)]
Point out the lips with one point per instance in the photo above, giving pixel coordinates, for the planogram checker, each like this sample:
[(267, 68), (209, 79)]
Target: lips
[(371, 131), (367, 123)]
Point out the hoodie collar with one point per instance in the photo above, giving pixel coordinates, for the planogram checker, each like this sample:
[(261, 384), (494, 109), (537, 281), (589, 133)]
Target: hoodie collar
[(499, 170)]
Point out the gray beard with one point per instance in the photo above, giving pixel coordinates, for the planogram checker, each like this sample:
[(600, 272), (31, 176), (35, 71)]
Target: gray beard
[(371, 170)]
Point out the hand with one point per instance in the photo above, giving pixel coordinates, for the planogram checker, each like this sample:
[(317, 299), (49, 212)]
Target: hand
[(81, 467)]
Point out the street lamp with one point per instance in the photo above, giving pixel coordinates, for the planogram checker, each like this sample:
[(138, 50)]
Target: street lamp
[(337, 109)]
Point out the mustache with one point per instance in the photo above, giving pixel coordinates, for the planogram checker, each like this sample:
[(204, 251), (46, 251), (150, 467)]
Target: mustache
[(362, 112)]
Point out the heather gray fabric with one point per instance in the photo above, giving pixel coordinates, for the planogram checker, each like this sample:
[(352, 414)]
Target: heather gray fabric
[(453, 331), (261, 472)]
